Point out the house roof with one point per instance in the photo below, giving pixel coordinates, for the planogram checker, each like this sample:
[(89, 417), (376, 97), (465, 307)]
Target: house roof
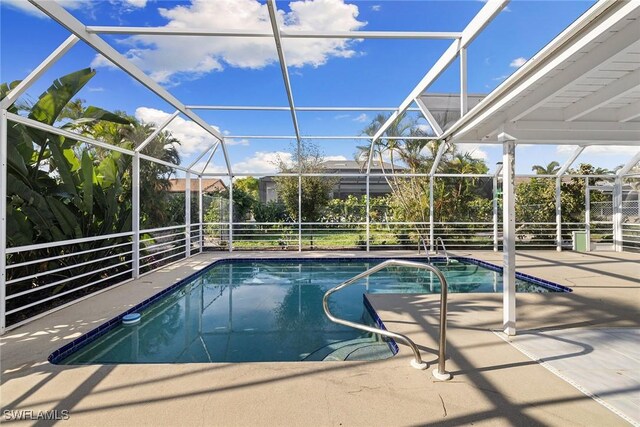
[(208, 185)]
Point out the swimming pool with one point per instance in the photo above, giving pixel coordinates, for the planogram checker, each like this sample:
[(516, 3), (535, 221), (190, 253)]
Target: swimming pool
[(247, 310)]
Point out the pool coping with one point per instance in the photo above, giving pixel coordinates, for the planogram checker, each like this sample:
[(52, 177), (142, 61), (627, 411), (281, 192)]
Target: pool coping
[(92, 335)]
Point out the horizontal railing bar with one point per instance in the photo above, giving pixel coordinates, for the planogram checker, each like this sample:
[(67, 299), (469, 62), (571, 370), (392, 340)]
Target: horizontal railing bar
[(66, 242), (163, 259), (15, 310), (157, 245), (69, 267), (67, 304), (162, 237), (59, 282), (72, 254), (176, 248), (155, 230)]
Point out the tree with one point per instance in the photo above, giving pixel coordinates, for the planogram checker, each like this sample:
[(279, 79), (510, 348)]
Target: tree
[(249, 185), (316, 190), (551, 169), (61, 189)]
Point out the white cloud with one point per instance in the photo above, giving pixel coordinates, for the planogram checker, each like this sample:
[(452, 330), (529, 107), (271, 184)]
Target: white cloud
[(518, 62), (474, 150), (327, 158), (172, 59), (211, 167), (342, 116), (362, 118), (262, 162), (193, 139), (376, 8), (135, 3)]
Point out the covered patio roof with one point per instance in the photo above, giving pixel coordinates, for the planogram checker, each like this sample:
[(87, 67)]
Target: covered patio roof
[(582, 89)]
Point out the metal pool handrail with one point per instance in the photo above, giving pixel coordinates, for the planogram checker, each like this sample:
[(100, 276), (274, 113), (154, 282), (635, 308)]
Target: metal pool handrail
[(444, 248), (439, 373)]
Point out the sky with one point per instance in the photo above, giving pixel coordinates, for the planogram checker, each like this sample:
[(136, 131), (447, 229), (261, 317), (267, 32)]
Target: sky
[(225, 71)]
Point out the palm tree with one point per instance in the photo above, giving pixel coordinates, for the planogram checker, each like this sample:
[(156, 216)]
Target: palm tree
[(551, 169)]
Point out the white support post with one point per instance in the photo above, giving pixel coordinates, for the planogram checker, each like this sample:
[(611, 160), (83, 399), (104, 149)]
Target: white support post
[(509, 232), (617, 214), (558, 214), (495, 213), (200, 214), (587, 212), (368, 213), (3, 219), (300, 212), (187, 214), (135, 214), (431, 215), (463, 81), (230, 213)]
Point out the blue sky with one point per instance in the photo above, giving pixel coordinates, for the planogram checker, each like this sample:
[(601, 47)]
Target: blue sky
[(323, 73)]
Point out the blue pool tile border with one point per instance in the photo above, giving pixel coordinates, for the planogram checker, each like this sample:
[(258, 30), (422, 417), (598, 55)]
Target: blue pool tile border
[(393, 346), (73, 346)]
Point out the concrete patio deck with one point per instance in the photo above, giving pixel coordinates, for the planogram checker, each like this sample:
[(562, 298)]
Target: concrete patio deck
[(494, 383)]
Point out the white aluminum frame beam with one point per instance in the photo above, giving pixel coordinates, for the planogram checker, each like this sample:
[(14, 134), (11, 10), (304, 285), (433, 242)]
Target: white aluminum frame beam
[(26, 83), (273, 12), (156, 132), (436, 161), (475, 26), (193, 163), (198, 32), (213, 152), (359, 137), (67, 134), (3, 218), (464, 105), (280, 108), (606, 95), (630, 164), (64, 18), (428, 116), (571, 160)]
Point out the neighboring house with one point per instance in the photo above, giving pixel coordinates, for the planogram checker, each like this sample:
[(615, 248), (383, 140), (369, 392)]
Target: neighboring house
[(211, 185), (344, 186)]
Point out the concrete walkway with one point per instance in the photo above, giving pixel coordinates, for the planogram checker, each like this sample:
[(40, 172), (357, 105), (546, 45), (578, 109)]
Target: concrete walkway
[(494, 383)]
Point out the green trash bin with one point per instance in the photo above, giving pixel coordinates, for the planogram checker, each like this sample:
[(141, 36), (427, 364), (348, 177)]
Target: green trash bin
[(580, 243)]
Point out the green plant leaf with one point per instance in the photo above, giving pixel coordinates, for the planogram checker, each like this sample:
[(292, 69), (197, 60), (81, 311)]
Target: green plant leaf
[(65, 218), (67, 183), (53, 100), (87, 184)]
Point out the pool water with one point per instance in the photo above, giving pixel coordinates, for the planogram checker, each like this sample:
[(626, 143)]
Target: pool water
[(271, 310)]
